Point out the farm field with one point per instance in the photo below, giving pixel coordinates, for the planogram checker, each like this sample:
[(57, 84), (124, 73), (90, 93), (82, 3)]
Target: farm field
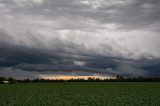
[(81, 94)]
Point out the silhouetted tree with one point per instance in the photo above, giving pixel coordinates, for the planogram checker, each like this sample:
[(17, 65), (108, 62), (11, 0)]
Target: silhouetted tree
[(12, 80), (120, 78), (26, 80), (2, 79)]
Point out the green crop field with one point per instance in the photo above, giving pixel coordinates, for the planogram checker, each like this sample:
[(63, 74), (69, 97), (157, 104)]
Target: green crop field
[(81, 94)]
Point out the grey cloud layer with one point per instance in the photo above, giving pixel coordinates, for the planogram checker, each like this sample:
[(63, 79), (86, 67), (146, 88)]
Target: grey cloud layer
[(130, 14), (98, 36)]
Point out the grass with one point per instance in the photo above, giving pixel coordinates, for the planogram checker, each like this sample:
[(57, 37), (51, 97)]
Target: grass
[(81, 94)]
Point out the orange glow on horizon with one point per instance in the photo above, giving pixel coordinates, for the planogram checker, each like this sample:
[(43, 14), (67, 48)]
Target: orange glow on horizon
[(68, 77)]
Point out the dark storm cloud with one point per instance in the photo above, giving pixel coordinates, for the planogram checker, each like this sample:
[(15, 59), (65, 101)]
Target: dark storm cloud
[(38, 60), (108, 37), (31, 59)]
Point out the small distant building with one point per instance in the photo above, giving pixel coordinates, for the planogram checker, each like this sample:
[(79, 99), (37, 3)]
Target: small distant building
[(5, 82)]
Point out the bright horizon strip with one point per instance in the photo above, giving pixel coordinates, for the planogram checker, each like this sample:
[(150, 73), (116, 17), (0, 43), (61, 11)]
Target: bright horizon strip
[(68, 77)]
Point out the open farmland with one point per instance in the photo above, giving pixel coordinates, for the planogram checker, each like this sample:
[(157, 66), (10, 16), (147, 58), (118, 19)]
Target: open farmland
[(81, 94)]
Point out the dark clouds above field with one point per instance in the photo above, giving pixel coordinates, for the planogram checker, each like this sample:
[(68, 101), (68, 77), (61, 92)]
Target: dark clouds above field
[(84, 37)]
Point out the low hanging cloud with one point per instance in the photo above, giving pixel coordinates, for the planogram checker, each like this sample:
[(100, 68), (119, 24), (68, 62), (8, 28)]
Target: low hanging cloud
[(94, 36)]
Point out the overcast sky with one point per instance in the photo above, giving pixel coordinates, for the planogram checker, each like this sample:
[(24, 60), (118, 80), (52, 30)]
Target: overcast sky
[(79, 37)]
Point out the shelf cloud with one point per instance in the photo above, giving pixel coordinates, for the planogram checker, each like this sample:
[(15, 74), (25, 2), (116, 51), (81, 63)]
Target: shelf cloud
[(92, 37)]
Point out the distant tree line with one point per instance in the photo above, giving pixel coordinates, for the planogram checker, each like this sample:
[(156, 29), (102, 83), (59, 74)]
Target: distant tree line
[(119, 78)]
